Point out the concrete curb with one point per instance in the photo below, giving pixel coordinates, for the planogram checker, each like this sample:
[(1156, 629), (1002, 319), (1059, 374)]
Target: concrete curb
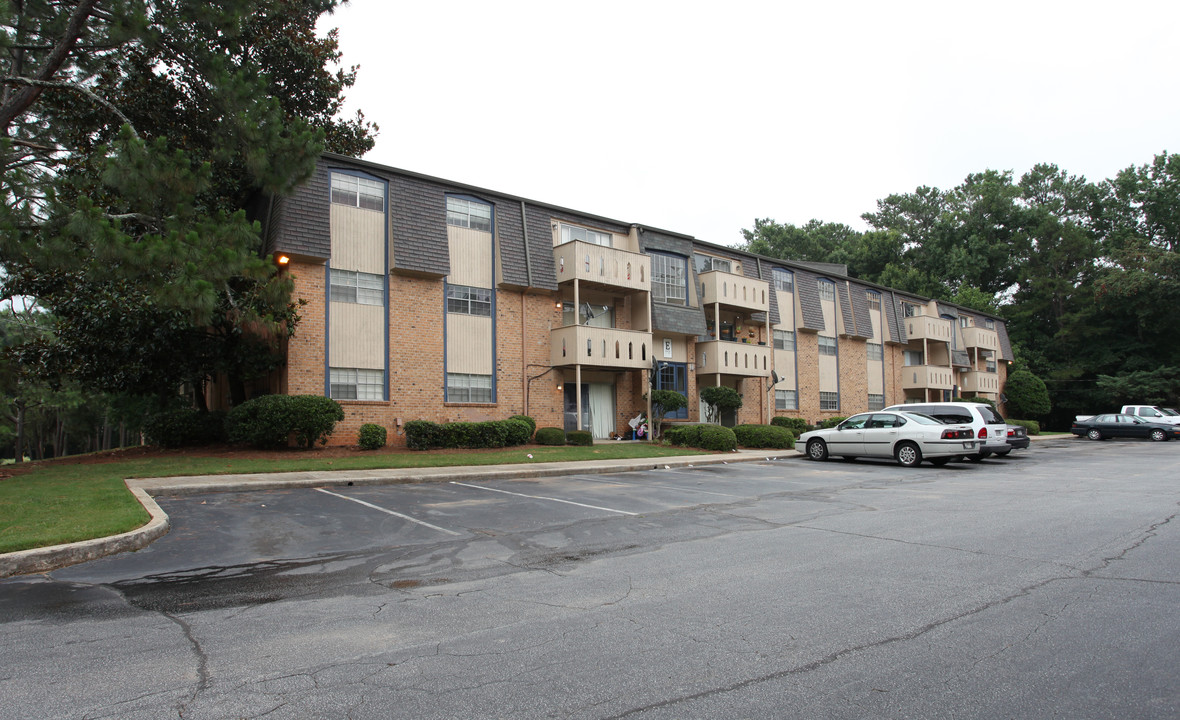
[(44, 559)]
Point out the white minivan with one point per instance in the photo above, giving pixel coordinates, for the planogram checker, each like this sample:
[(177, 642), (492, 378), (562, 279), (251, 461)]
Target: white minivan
[(991, 430)]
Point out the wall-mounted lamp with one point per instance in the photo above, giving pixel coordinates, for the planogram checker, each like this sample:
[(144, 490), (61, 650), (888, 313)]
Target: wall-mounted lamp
[(558, 386), (282, 260), (558, 305)]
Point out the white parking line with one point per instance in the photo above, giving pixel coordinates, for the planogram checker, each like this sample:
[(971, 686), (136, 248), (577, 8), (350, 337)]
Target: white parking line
[(389, 512), (648, 485), (542, 497)]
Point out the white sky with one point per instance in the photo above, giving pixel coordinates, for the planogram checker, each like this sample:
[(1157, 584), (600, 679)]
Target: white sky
[(701, 117)]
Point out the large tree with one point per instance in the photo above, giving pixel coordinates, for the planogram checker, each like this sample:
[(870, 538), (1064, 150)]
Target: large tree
[(135, 134)]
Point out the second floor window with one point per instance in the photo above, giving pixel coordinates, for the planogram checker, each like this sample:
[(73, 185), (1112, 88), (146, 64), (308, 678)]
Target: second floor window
[(469, 300), (358, 192), (914, 358), (784, 339), (705, 263), (357, 287), (784, 280), (786, 400), (827, 290), (874, 300), (827, 345), (875, 352), (473, 214), (668, 279), (569, 233), (910, 309)]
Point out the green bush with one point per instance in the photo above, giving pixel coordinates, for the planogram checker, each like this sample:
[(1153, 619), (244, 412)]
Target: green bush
[(313, 418), (528, 421), (764, 436), (262, 422), (684, 435), (185, 427), (832, 422), (715, 437), (720, 400), (517, 431), (423, 435), (797, 426), (371, 437), (1027, 394), (550, 436), (487, 434), (579, 437), (1032, 426)]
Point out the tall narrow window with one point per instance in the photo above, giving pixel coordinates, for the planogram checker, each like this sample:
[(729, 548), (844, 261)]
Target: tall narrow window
[(874, 298), (784, 280), (668, 279), (827, 290)]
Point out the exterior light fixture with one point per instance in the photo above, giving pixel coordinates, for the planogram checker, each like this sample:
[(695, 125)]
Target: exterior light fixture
[(282, 260)]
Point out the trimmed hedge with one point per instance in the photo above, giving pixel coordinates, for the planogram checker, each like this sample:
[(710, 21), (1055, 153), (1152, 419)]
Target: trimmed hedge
[(270, 420), (764, 436), (371, 437), (706, 437), (426, 435), (684, 435), (579, 437), (185, 427), (518, 432), (550, 436), (797, 426), (423, 435), (832, 422), (1032, 426), (528, 421)]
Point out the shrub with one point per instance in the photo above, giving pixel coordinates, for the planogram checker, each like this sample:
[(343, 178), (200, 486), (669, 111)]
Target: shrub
[(423, 435), (550, 436), (832, 422), (517, 431), (579, 437), (720, 400), (764, 436), (684, 435), (797, 426), (262, 422), (313, 418), (1032, 426), (371, 437), (185, 427), (1027, 394), (486, 434), (528, 421), (715, 437)]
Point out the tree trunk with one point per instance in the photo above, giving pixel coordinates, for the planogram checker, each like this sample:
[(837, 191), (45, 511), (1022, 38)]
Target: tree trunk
[(20, 431)]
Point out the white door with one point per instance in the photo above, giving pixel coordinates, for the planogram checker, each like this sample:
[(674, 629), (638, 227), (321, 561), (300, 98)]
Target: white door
[(602, 410)]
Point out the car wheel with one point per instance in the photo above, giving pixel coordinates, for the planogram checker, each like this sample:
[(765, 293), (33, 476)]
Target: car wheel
[(1094, 434), (1159, 435), (817, 450), (939, 461), (908, 454)]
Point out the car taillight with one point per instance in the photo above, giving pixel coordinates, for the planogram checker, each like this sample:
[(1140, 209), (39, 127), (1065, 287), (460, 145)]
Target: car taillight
[(955, 434), (982, 433), (1011, 433)]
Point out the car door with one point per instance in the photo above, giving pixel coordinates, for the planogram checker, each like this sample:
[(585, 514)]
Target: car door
[(880, 434), (1134, 426), (848, 437)]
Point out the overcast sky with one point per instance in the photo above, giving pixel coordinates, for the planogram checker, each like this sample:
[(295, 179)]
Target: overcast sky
[(701, 117)]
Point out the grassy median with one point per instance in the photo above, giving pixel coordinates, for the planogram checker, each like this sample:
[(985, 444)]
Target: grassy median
[(60, 501)]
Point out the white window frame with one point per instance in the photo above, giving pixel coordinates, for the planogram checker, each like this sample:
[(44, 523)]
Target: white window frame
[(827, 291), (570, 233), (358, 192), (356, 384), (876, 402), (467, 213), (910, 309), (468, 388), (468, 300), (784, 340), (874, 299), (783, 279), (786, 399), (829, 401), (708, 263), (827, 346), (664, 271), (875, 351), (361, 288)]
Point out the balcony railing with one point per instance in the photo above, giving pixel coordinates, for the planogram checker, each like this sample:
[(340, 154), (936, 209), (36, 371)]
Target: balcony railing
[(974, 337), (735, 291), (600, 347), (733, 358), (980, 382), (930, 377), (924, 327), (602, 265)]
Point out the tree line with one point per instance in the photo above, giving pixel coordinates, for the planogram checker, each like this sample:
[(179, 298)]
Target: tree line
[(1086, 273)]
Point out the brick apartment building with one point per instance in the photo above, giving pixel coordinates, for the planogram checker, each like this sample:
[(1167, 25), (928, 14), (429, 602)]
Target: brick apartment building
[(434, 300)]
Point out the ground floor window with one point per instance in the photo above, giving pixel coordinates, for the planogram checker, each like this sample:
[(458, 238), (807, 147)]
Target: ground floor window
[(786, 400), (464, 388), (829, 401), (674, 376), (876, 402), (356, 384)]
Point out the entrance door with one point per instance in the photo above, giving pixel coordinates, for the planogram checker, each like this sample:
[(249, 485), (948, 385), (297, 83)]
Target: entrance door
[(571, 406), (602, 410)]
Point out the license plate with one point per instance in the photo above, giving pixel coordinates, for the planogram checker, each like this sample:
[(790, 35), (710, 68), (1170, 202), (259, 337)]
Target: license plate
[(968, 445)]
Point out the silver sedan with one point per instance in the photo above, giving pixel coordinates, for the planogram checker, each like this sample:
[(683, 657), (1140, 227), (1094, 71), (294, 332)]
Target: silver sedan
[(907, 437)]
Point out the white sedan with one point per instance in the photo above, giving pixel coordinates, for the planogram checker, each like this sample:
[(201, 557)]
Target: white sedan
[(907, 437)]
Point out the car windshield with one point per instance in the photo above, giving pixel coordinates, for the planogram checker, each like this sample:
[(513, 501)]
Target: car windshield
[(922, 419), (1169, 412), (991, 417)]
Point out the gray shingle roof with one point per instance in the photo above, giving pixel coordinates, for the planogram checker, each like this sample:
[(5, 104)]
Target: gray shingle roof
[(860, 311), (807, 295)]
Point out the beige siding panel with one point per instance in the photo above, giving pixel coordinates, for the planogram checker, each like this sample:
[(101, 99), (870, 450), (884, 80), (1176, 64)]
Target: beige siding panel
[(358, 239), (876, 377), (784, 365), (357, 336), (471, 257), (679, 349), (469, 344), (875, 317), (829, 377), (786, 310)]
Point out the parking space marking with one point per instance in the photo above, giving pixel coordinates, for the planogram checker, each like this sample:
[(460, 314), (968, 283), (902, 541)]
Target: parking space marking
[(663, 487), (542, 497), (387, 511)]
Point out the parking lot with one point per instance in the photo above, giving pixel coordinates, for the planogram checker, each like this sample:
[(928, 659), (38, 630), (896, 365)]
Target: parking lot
[(1037, 586)]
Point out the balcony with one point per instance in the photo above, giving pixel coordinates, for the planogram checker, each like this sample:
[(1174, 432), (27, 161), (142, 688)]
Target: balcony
[(924, 327), (982, 338), (602, 266), (733, 358), (927, 377), (599, 347), (980, 382), (735, 291)]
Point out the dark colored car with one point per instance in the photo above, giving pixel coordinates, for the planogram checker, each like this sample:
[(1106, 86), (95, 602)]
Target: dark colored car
[(1101, 427), (1018, 437)]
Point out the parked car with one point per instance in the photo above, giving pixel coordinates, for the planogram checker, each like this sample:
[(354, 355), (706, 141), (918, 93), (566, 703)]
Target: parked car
[(1018, 437), (991, 431), (907, 437), (1150, 413), (1101, 427)]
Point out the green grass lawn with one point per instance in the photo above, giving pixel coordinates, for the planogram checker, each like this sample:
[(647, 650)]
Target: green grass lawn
[(63, 501)]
